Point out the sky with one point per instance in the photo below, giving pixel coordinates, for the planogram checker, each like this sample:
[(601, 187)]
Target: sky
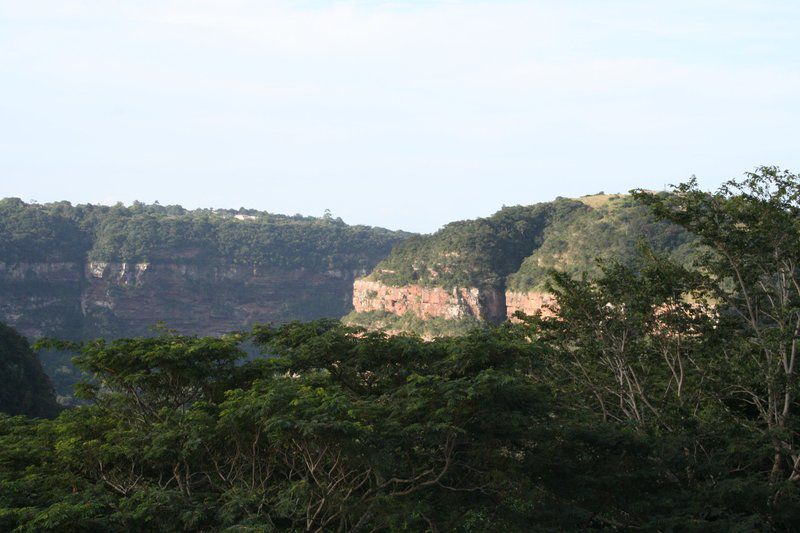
[(404, 114)]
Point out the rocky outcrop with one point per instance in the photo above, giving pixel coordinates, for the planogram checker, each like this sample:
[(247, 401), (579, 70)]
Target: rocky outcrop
[(429, 302), (110, 299), (210, 298), (40, 299), (527, 302), (48, 272), (436, 302)]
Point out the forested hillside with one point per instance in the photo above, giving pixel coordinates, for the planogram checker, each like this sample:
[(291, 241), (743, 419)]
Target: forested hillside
[(474, 253), (612, 227), (484, 270), (651, 397), (24, 387)]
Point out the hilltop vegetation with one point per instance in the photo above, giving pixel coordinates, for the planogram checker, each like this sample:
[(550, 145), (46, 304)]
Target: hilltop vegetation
[(473, 253), (612, 229), (517, 246), (142, 233), (52, 232)]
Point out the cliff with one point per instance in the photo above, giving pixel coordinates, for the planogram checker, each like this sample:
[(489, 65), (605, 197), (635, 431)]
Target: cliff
[(209, 299), (434, 311), (112, 299), (115, 299), (529, 302), (429, 302), (85, 271), (486, 270), (80, 272)]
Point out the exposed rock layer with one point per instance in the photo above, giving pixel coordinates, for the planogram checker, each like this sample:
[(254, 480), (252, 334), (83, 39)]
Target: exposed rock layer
[(528, 302), (93, 299), (429, 302), (436, 302)]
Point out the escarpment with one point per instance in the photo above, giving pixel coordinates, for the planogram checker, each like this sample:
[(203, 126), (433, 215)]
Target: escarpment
[(78, 272), (211, 298), (42, 298), (486, 270), (88, 271), (529, 302), (429, 302), (81, 272)]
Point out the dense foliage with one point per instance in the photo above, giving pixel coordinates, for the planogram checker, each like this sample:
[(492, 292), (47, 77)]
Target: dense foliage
[(651, 397), (345, 430), (751, 229), (24, 387), (62, 232), (473, 253), (611, 230), (427, 328), (518, 246), (50, 233)]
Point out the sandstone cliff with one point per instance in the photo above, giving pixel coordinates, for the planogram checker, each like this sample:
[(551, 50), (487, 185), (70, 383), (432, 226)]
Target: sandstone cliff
[(460, 303), (209, 299), (85, 271), (40, 299), (429, 302), (119, 298), (527, 302)]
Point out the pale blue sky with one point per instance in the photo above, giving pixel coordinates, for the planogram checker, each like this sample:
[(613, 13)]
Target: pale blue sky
[(400, 114)]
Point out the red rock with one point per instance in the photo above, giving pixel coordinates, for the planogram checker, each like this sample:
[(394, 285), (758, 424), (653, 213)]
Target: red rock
[(429, 302), (528, 302)]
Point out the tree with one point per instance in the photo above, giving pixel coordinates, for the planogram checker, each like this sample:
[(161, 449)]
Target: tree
[(340, 429), (751, 229), (628, 339)]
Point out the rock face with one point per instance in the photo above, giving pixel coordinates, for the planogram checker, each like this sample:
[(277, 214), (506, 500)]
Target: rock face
[(435, 302), (429, 302), (40, 299), (527, 302), (94, 299)]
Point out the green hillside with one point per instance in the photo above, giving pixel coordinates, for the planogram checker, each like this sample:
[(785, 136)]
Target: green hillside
[(611, 229), (24, 387), (474, 253)]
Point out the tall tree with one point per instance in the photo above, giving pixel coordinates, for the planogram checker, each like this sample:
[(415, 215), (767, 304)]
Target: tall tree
[(627, 342), (751, 229)]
